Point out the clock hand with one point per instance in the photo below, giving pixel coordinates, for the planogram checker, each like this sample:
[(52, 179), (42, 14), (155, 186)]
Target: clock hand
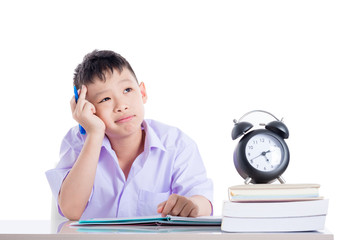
[(262, 154), (256, 156)]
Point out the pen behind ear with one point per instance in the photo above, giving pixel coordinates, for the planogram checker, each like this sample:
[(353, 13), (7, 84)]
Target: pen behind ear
[(82, 130)]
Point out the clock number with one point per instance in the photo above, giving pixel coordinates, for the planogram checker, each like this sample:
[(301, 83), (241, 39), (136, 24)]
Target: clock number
[(263, 153)]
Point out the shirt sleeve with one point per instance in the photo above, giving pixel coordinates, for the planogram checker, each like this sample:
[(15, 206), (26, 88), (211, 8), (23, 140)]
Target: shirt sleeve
[(69, 152), (55, 178), (189, 173)]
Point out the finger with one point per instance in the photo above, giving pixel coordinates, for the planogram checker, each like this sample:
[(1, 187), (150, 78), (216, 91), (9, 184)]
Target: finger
[(82, 102), (186, 210), (83, 92), (76, 108), (170, 203), (80, 105), (179, 206), (81, 109), (160, 207), (72, 104), (194, 212), (88, 106)]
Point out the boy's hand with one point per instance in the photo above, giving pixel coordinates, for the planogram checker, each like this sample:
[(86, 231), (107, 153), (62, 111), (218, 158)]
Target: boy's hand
[(177, 205), (84, 113)]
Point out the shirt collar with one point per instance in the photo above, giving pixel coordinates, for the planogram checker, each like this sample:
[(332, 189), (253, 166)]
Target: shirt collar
[(106, 143), (152, 140)]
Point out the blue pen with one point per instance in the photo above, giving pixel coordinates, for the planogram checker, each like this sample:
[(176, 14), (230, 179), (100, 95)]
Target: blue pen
[(82, 130)]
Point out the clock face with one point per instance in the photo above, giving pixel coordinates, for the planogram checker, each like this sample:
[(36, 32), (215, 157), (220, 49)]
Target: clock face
[(264, 152)]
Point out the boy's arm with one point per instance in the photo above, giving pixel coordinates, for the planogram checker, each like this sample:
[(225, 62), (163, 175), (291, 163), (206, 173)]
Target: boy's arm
[(77, 186), (193, 206), (189, 181)]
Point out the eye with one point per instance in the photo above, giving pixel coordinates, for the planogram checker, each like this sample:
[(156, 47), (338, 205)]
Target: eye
[(105, 99), (127, 90)]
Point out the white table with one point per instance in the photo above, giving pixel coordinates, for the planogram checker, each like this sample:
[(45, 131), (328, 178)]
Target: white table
[(61, 230)]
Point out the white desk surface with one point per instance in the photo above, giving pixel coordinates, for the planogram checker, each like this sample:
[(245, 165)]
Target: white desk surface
[(61, 230)]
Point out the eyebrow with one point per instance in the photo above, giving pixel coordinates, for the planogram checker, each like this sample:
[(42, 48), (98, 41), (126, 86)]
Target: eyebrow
[(106, 90)]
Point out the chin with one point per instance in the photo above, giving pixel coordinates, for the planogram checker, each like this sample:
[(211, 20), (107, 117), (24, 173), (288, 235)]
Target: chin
[(124, 131)]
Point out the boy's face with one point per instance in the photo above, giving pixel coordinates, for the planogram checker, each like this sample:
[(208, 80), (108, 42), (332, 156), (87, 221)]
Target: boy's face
[(119, 102)]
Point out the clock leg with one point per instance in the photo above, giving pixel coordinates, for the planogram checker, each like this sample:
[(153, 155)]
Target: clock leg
[(247, 180), (281, 180)]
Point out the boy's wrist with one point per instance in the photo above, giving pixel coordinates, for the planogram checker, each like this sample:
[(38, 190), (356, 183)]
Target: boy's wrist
[(96, 134), (203, 204)]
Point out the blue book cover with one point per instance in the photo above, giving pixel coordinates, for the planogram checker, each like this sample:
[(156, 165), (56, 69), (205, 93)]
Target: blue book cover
[(156, 220)]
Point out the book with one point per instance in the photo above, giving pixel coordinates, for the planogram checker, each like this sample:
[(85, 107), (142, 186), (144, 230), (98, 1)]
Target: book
[(275, 209), (273, 192), (146, 229), (152, 220), (290, 224)]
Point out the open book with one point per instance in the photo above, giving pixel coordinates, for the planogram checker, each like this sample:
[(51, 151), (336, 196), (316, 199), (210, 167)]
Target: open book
[(152, 220)]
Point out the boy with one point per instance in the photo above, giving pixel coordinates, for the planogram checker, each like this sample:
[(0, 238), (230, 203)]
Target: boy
[(124, 166)]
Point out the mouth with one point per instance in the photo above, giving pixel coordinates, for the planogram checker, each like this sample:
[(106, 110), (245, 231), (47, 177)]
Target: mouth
[(125, 119)]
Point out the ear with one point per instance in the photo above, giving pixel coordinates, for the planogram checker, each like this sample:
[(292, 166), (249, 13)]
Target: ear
[(143, 92)]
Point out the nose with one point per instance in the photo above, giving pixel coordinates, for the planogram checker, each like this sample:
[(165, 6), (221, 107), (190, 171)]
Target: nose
[(120, 107)]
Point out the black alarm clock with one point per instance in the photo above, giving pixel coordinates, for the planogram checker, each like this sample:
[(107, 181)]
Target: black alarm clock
[(261, 156)]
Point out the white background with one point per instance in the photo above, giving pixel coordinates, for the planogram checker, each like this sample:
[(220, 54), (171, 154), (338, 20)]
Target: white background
[(204, 63)]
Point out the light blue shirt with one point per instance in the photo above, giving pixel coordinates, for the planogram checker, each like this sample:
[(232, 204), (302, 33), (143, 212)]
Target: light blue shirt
[(170, 163)]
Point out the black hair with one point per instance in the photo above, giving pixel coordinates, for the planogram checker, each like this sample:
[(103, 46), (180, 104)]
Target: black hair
[(96, 63)]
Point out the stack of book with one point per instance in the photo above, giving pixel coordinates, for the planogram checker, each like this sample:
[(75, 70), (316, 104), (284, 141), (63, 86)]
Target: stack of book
[(274, 208)]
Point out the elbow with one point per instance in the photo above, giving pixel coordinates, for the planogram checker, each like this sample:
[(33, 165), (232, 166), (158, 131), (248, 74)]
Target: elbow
[(72, 216), (70, 210)]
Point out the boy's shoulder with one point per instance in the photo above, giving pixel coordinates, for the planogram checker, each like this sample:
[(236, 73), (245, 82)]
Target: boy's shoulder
[(160, 126), (167, 134), (74, 138)]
